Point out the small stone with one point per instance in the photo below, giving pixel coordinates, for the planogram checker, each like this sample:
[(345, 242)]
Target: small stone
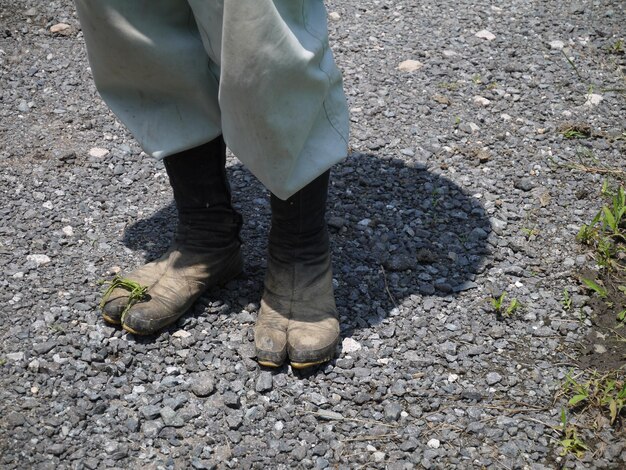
[(231, 400), (557, 45), (379, 457), (43, 348), (393, 412), (434, 443), (181, 334), (264, 382), (223, 453), (334, 16), (484, 34), (400, 262), (68, 231), (203, 385), (16, 356), (60, 28), (449, 53), (317, 399), (593, 99), (39, 259), (425, 256), (481, 101), (234, 420), (329, 415), (132, 424), (150, 411), (410, 65), (98, 152), (409, 445), (441, 99), (493, 378), (151, 429), (171, 418), (448, 347), (348, 345), (599, 348), (525, 184), (299, 453), (15, 419), (469, 127), (56, 449), (543, 332), (336, 222)]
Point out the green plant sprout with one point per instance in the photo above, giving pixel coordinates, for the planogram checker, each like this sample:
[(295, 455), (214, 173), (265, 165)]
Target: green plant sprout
[(498, 305), (606, 232), (605, 394), (530, 232), (595, 287), (567, 300), (617, 47), (570, 442), (138, 292), (513, 307)]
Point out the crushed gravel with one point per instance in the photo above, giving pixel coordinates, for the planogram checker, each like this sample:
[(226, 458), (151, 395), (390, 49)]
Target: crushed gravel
[(458, 187)]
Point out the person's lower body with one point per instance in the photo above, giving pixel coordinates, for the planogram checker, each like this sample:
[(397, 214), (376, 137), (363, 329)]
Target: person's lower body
[(182, 73)]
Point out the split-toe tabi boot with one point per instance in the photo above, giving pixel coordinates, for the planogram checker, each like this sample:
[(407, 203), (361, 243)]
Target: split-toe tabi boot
[(205, 251), (298, 316)]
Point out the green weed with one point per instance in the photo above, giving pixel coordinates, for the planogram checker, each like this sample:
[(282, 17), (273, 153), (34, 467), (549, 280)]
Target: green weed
[(617, 47), (450, 86), (574, 134), (607, 230), (566, 302), (138, 292), (570, 442), (606, 394), (595, 287), (498, 305), (530, 232)]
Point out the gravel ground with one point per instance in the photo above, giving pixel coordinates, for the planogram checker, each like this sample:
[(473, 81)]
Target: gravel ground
[(458, 187)]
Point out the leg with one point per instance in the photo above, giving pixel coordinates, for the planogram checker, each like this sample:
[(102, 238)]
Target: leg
[(298, 316), (205, 250), (150, 66), (284, 113)]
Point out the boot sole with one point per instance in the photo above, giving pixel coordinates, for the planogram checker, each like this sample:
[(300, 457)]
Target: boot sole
[(110, 320), (306, 365), (269, 364), (135, 332)]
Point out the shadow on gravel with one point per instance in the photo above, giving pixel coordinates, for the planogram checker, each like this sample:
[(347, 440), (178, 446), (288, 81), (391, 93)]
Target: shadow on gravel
[(401, 234), (409, 235)]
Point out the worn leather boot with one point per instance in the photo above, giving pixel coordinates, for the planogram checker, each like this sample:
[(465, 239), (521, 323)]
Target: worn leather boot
[(298, 317), (205, 250)]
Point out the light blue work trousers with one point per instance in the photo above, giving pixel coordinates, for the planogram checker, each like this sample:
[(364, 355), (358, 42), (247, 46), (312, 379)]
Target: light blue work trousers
[(179, 73)]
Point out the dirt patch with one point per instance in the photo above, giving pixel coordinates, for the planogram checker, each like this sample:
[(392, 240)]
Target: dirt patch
[(604, 347)]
